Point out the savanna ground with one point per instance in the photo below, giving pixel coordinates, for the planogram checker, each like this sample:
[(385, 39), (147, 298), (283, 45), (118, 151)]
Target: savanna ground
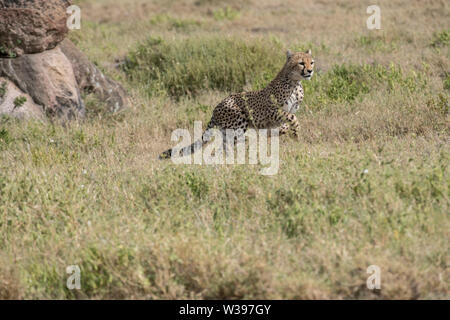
[(366, 184)]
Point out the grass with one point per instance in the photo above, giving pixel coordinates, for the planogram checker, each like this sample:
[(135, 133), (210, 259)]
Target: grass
[(441, 39), (378, 42), (174, 23), (447, 82), (19, 101), (227, 13), (367, 183), (3, 89)]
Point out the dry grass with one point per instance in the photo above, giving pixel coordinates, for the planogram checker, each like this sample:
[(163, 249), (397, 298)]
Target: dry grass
[(93, 193)]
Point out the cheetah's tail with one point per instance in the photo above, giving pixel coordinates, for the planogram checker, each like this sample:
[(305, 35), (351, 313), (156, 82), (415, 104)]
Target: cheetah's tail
[(188, 150)]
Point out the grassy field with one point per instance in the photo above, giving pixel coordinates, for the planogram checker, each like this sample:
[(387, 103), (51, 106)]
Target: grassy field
[(367, 183)]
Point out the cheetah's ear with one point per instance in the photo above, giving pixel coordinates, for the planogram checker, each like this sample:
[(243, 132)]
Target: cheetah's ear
[(309, 51), (288, 54)]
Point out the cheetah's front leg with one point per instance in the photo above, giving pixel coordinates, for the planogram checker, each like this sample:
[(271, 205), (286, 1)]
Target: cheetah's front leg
[(291, 122), (284, 129)]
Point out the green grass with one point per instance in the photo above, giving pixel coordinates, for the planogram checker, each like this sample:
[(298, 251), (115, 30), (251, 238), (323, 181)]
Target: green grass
[(377, 42), (2, 89), (175, 23), (4, 137), (441, 39), (447, 82), (226, 13), (19, 101)]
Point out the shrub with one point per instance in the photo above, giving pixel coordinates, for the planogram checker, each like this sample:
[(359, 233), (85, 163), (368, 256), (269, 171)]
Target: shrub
[(188, 66), (347, 82)]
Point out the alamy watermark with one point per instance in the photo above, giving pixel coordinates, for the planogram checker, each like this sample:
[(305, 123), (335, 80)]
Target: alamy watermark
[(74, 20), (228, 147), (74, 280), (374, 20), (374, 280)]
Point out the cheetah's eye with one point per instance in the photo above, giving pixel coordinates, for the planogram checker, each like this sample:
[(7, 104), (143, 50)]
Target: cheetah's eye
[(312, 62), (301, 63)]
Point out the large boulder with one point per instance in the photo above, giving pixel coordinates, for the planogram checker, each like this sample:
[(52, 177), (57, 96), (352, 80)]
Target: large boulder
[(31, 26), (49, 80), (91, 79), (47, 73), (16, 103)]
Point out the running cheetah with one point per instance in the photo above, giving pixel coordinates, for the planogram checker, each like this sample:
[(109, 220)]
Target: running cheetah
[(272, 107)]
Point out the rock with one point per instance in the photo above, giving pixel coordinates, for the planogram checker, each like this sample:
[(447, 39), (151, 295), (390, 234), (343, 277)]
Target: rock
[(52, 75), (91, 79), (49, 80), (31, 26), (16, 103)]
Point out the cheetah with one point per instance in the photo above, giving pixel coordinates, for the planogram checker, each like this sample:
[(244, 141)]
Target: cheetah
[(269, 108)]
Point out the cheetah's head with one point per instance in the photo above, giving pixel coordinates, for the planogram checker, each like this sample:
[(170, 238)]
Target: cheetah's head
[(300, 65)]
